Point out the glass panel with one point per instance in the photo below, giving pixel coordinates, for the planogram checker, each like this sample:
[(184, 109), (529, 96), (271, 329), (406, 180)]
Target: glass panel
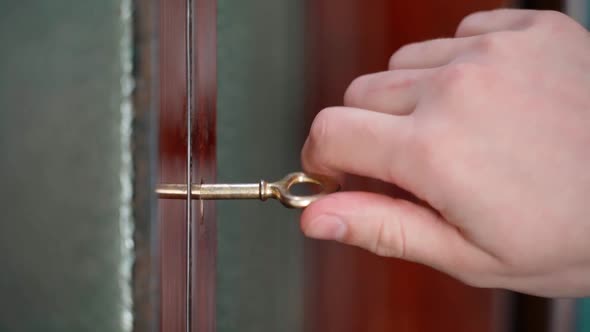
[(259, 135), (580, 10), (65, 230), (583, 315)]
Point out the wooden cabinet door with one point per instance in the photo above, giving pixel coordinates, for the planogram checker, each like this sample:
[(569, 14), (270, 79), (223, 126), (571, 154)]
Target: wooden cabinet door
[(187, 90), (102, 101), (344, 289)]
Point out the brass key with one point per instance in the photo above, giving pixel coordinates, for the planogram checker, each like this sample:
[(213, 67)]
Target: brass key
[(280, 190)]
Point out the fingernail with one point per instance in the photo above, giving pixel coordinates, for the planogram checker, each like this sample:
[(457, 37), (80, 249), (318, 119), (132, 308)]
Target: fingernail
[(327, 227)]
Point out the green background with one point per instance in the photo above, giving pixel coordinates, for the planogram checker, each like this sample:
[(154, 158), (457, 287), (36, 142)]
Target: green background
[(61, 258), (260, 128)]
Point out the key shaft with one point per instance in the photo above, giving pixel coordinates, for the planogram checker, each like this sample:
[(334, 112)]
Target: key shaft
[(280, 190), (210, 191)]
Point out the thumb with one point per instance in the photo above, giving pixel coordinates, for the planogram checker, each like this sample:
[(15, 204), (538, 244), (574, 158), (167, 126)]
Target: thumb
[(388, 227)]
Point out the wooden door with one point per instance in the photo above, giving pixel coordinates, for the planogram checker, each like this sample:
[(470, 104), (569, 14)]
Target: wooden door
[(345, 288), (68, 258), (187, 61)]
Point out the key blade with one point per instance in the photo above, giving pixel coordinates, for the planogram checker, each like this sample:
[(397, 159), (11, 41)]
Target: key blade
[(171, 191), (210, 191), (227, 191)]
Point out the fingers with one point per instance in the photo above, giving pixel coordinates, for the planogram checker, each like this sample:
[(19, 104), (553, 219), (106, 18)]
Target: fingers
[(493, 21), (392, 228), (440, 52), (392, 92), (354, 141), (428, 54)]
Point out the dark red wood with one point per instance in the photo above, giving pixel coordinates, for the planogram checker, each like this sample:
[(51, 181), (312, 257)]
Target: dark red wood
[(350, 289), (204, 163), (173, 153), (173, 161)]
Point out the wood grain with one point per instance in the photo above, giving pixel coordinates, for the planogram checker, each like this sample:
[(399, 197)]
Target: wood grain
[(173, 154), (174, 98), (204, 77)]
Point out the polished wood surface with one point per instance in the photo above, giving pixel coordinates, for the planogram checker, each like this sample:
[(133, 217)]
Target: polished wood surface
[(204, 92), (350, 289), (173, 166), (179, 86)]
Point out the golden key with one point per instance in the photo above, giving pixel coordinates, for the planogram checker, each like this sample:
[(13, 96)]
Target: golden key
[(280, 190)]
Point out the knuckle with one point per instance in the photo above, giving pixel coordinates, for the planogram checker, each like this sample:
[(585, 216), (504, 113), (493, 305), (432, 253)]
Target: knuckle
[(398, 58), (313, 154), (320, 125), (391, 239), (469, 21), (355, 91), (490, 43), (457, 76)]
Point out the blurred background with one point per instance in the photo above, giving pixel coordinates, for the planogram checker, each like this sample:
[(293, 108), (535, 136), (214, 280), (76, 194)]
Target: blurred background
[(81, 240)]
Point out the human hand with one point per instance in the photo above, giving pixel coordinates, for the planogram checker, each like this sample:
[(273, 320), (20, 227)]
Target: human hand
[(492, 130)]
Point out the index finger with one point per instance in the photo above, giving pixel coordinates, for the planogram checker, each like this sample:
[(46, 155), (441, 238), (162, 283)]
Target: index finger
[(496, 20), (345, 140)]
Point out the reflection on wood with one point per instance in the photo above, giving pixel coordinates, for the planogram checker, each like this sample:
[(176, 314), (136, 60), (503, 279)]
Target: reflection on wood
[(349, 289), (173, 151), (204, 94), (173, 161)]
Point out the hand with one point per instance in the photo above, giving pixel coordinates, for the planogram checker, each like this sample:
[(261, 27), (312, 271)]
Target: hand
[(491, 129)]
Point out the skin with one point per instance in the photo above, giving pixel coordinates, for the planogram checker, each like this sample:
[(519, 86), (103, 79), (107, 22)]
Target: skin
[(491, 129)]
